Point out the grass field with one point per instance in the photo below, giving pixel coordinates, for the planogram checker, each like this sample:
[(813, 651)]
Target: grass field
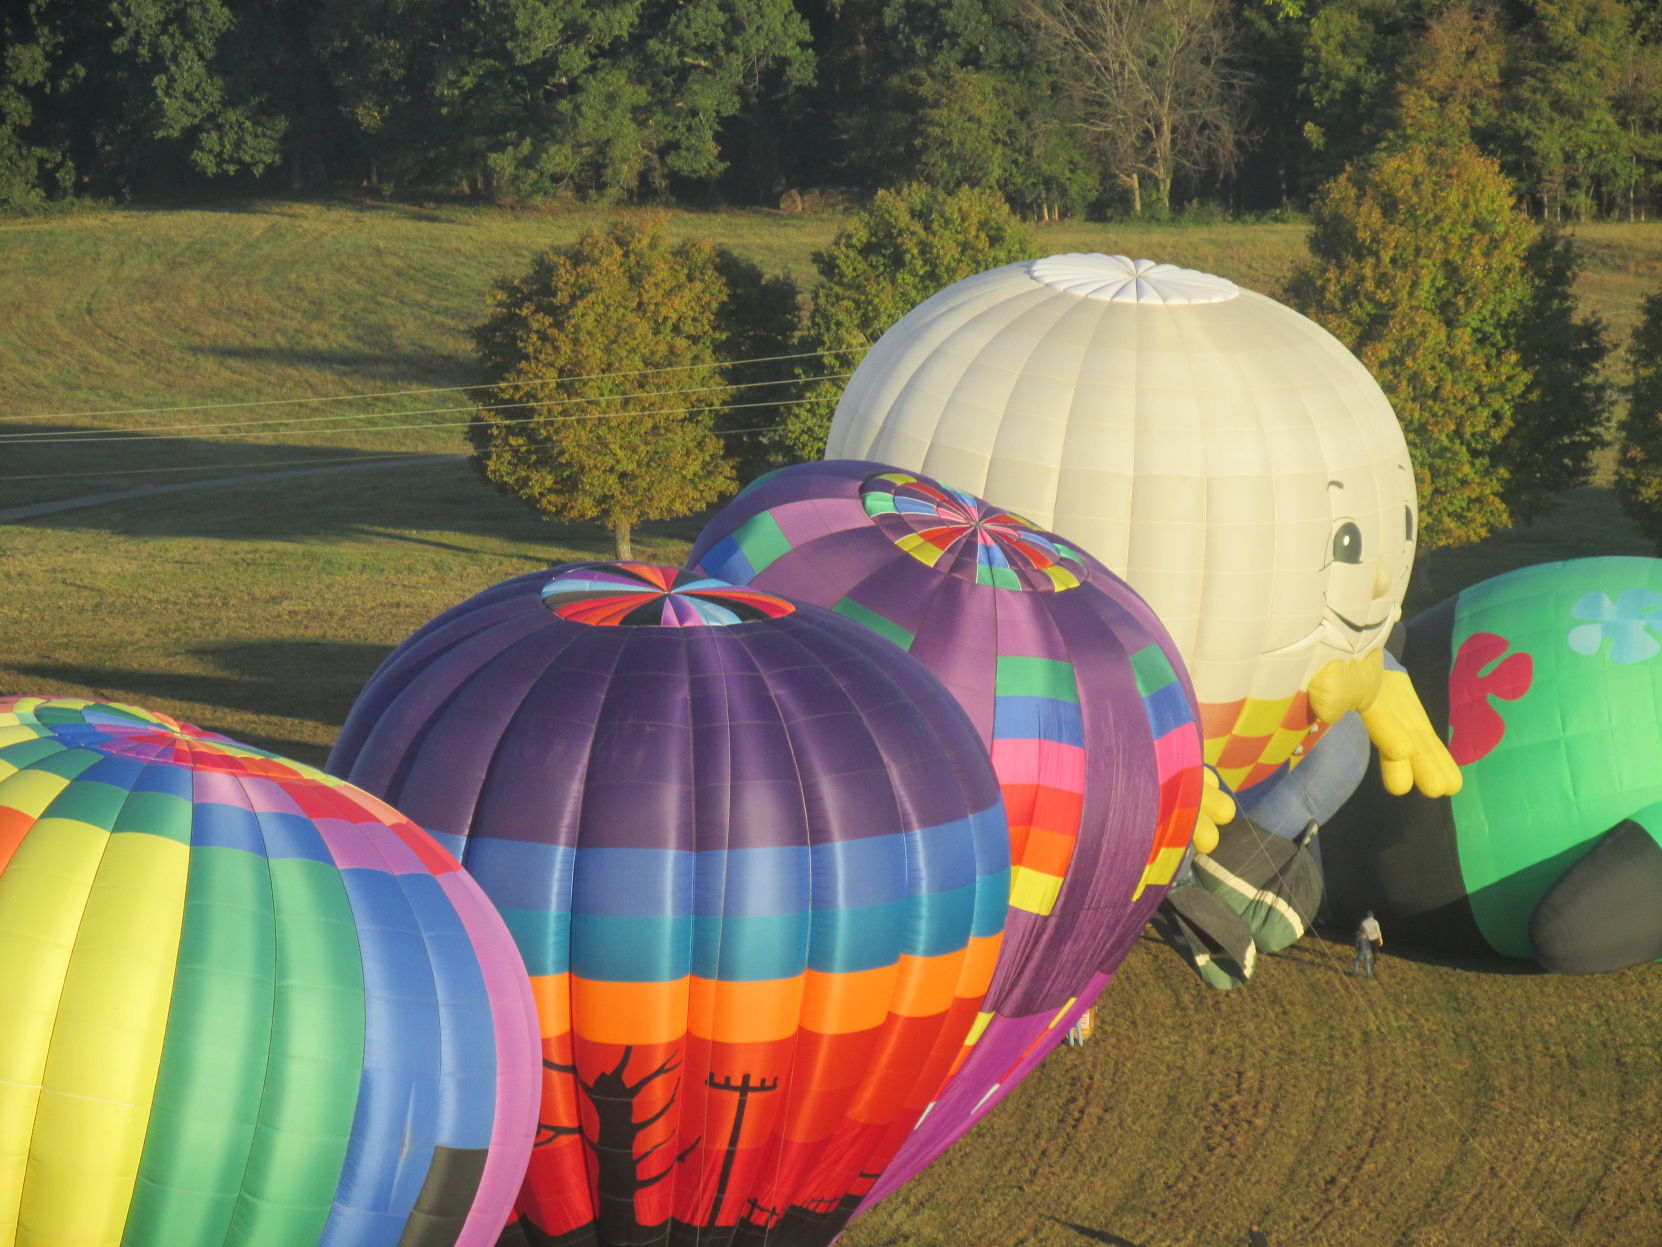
[(1449, 1103)]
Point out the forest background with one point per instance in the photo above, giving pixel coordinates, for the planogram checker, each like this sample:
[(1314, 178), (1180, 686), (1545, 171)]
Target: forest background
[(1066, 108)]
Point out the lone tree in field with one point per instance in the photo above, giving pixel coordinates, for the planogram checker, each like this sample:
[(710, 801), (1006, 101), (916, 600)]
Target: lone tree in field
[(908, 244), (1423, 264), (608, 381)]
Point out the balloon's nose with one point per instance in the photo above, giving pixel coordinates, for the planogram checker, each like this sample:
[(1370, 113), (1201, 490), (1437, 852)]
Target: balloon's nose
[(1381, 577)]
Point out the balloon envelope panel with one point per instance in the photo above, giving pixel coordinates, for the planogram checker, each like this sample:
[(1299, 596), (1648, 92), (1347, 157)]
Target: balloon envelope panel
[(756, 860), (1073, 684), (1225, 455), (1548, 680), (244, 1001)]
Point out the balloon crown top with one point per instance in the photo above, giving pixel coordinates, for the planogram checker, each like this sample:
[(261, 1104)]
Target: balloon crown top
[(609, 595), (964, 536), (121, 731), (1120, 279)]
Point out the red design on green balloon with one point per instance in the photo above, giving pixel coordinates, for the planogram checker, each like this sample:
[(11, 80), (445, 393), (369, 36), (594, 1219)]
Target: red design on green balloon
[(1475, 726)]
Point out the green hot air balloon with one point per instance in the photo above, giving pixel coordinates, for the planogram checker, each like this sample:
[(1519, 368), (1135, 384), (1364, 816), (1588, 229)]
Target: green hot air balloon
[(1548, 681)]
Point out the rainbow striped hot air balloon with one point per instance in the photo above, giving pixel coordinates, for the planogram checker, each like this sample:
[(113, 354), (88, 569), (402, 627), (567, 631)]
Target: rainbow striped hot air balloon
[(1073, 684), (243, 1002), (757, 863)]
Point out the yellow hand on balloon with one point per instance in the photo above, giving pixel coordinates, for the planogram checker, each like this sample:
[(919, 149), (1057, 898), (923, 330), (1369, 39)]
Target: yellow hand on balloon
[(1411, 754), (1217, 807)]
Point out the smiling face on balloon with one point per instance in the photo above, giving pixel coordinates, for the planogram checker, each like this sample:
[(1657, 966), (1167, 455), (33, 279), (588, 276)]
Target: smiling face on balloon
[(1368, 558)]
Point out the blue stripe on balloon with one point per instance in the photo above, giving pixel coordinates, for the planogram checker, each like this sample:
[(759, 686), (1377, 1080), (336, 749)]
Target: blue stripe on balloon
[(117, 772), (631, 950), (1168, 709), (293, 836), (747, 950), (940, 922), (173, 780), (271, 834), (215, 825), (657, 915), (991, 832), (544, 939), (727, 560), (399, 1090), (1038, 718), (711, 612), (467, 1094), (517, 874)]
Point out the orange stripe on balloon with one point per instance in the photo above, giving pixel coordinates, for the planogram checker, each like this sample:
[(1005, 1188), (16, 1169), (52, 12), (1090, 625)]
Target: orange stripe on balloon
[(552, 993), (14, 825), (837, 1004), (927, 986), (629, 1013)]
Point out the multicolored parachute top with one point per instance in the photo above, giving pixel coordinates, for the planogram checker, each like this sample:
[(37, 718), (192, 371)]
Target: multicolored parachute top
[(1225, 455), (1073, 684), (243, 1001), (757, 863), (1549, 682)]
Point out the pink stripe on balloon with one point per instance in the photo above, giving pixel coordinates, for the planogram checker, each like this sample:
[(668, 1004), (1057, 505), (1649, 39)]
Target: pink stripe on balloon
[(518, 1061), (1039, 762), (1177, 750), (267, 796)]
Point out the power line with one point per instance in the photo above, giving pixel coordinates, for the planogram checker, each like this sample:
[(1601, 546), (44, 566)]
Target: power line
[(287, 463), (254, 428), (444, 424), (437, 389)]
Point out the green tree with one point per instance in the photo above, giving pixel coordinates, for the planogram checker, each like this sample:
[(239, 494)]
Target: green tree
[(1639, 461), (994, 130), (113, 97), (1418, 264), (1562, 415), (1161, 88), (607, 377), (907, 245), (1561, 118)]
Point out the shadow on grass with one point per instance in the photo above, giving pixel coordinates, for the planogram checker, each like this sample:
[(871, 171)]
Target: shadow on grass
[(316, 681), (1587, 522), (293, 493), (1095, 1236)]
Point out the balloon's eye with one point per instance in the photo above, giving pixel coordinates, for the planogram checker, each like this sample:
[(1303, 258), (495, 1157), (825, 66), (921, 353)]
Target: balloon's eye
[(1408, 523), (1347, 543)]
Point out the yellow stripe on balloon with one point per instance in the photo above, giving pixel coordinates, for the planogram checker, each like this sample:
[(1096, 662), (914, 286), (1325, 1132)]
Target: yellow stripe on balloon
[(1033, 890), (1161, 869), (926, 552), (30, 792), (15, 733), (42, 893), (100, 1075)]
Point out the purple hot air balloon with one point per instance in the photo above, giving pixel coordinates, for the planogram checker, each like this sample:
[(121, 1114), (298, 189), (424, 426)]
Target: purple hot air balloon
[(756, 862), (1075, 687)]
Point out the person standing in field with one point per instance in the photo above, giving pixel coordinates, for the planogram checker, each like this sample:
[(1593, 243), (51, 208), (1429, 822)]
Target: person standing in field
[(1257, 1237), (1367, 938)]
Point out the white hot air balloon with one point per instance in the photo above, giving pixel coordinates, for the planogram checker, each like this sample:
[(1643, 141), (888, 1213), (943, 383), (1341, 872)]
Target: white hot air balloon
[(1227, 456)]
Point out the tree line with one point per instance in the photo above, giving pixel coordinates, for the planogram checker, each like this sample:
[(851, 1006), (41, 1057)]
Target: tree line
[(1060, 107)]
